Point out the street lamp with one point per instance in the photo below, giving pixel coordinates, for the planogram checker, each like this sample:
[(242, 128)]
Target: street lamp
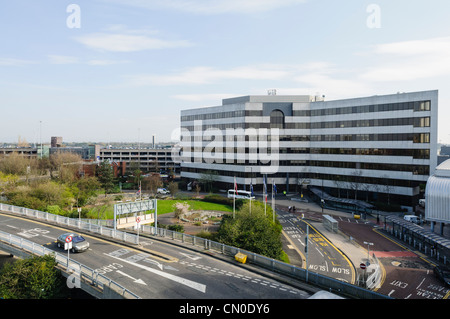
[(368, 251)]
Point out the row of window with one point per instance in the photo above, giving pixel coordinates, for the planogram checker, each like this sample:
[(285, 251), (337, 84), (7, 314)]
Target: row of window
[(213, 116), (415, 121), (376, 183), (414, 137), (414, 153), (417, 106), (415, 169), (394, 137), (278, 122)]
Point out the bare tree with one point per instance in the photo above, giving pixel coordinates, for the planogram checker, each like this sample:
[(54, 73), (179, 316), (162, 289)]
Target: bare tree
[(173, 188), (14, 163), (151, 183)]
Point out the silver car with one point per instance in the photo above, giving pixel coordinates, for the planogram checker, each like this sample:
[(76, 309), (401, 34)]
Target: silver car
[(79, 244)]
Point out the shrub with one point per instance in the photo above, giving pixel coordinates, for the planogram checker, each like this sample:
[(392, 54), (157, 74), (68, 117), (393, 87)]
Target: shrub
[(31, 278), (54, 209), (181, 209)]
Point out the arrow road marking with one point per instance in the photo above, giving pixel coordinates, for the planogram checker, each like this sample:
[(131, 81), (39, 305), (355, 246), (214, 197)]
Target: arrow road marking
[(191, 256), (186, 282), (138, 281)]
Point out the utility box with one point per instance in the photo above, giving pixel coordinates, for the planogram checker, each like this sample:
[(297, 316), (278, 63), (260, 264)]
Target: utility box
[(241, 257)]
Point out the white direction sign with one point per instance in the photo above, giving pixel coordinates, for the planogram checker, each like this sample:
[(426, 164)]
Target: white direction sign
[(134, 207)]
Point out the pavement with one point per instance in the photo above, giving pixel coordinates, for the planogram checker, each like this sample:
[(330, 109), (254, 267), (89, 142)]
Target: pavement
[(355, 252)]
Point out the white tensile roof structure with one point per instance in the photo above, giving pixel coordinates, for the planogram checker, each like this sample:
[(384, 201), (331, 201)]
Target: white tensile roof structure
[(437, 195)]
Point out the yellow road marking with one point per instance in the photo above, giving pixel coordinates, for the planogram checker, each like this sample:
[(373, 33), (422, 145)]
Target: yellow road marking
[(338, 250)]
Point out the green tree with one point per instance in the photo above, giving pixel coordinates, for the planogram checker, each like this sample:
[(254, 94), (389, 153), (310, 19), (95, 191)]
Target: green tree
[(106, 177), (254, 231), (85, 188), (31, 278)]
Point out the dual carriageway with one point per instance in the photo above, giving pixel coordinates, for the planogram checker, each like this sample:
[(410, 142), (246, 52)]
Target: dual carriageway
[(158, 269)]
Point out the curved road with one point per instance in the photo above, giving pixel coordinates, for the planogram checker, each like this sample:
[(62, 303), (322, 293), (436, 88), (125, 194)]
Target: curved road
[(409, 274), (158, 269), (323, 257)]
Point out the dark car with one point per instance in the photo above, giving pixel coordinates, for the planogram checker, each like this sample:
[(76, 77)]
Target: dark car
[(79, 243), (443, 274)]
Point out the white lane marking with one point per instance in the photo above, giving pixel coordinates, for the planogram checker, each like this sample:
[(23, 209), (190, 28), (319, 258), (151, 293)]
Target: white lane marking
[(138, 281), (191, 256), (183, 281)]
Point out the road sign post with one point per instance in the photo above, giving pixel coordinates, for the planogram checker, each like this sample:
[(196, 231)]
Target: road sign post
[(138, 220), (68, 246), (306, 250)]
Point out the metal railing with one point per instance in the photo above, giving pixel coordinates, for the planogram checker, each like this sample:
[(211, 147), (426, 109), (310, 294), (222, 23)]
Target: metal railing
[(274, 265)]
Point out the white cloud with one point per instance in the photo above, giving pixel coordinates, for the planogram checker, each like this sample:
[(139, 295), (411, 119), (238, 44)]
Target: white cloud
[(14, 62), (205, 75), (126, 42), (63, 59), (204, 97), (410, 60), (213, 6), (98, 62)]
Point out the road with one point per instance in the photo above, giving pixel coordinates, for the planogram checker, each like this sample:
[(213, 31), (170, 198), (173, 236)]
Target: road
[(408, 273), (159, 270), (323, 257)]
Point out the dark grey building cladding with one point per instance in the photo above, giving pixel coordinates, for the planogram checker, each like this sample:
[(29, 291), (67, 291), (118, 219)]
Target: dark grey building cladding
[(286, 108)]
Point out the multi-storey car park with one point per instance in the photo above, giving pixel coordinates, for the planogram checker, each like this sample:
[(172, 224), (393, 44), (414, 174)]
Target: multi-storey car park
[(377, 148)]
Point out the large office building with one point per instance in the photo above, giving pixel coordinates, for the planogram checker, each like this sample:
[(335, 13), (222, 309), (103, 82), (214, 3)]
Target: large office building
[(373, 148)]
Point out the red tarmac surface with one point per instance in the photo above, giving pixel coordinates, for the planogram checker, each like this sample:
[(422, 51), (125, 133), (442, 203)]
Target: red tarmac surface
[(389, 254)]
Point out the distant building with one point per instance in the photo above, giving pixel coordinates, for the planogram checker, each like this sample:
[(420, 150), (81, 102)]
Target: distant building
[(91, 152), (147, 160), (445, 150), (56, 141), (30, 152)]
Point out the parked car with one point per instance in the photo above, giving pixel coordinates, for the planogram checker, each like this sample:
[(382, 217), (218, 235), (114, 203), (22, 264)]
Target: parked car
[(79, 243), (162, 191), (443, 274)]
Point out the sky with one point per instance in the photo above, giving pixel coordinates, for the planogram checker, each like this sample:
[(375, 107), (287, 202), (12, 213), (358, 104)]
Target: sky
[(121, 70)]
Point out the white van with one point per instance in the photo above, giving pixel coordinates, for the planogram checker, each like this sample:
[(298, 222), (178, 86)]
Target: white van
[(411, 218), (162, 191)]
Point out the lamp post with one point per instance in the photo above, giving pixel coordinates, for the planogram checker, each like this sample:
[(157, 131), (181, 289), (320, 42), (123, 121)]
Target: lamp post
[(368, 251)]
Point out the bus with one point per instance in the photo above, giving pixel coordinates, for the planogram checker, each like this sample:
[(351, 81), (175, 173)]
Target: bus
[(240, 194)]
